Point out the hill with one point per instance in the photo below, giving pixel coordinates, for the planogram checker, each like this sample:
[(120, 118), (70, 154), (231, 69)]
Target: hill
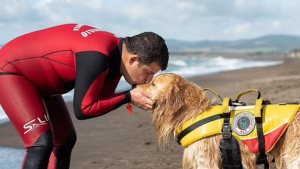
[(270, 43)]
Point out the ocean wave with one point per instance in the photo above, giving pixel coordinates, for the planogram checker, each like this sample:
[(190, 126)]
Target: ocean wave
[(181, 63)]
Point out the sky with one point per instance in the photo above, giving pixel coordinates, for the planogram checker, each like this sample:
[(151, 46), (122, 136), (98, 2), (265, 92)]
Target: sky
[(189, 20)]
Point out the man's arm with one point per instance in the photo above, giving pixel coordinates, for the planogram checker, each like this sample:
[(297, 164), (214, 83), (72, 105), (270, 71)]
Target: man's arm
[(92, 68)]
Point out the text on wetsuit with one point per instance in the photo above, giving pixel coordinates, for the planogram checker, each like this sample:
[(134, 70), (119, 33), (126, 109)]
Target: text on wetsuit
[(88, 32)]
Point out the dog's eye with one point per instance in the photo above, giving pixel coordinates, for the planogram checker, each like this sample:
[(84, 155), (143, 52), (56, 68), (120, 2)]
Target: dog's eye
[(152, 84)]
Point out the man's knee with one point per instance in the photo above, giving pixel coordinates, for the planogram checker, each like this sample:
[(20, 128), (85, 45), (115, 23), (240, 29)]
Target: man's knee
[(70, 142), (62, 157), (37, 156)]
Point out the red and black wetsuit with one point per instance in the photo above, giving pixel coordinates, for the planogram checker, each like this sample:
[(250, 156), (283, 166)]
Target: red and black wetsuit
[(36, 68)]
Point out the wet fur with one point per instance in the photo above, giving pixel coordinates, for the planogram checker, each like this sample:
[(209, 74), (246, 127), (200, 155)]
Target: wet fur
[(178, 100)]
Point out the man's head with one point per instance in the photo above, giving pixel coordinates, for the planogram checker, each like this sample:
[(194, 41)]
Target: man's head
[(143, 55)]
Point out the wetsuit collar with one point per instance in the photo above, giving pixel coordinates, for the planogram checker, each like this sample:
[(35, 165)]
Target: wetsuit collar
[(121, 45)]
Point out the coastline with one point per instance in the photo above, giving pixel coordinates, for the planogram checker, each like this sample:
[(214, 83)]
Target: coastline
[(122, 140)]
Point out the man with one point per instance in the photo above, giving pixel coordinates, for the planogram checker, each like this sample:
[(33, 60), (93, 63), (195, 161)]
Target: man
[(36, 68)]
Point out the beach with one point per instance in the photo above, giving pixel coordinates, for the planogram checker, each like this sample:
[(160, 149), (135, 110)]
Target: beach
[(128, 141)]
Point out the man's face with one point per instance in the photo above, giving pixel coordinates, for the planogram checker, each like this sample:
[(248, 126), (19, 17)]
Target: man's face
[(140, 74)]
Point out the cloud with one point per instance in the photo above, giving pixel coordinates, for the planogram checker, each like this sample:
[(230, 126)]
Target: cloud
[(276, 24), (176, 19)]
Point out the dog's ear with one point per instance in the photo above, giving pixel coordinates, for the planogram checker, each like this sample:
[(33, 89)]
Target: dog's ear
[(175, 96)]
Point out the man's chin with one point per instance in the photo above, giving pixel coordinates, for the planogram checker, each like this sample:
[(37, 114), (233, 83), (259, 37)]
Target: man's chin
[(136, 83), (139, 83)]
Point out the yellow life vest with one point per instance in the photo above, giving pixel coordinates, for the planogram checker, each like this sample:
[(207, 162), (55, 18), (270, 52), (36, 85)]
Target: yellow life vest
[(275, 118)]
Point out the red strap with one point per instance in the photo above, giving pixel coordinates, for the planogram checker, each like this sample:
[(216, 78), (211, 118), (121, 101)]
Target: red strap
[(129, 108)]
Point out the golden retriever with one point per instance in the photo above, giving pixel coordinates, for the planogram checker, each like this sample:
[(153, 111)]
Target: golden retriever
[(178, 100)]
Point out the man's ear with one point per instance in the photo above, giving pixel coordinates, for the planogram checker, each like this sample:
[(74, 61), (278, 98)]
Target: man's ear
[(133, 58)]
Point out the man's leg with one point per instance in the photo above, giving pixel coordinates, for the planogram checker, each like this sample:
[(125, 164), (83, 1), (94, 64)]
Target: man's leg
[(25, 108), (64, 133)]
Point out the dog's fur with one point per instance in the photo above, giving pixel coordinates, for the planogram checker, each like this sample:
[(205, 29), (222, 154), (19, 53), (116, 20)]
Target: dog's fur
[(178, 100)]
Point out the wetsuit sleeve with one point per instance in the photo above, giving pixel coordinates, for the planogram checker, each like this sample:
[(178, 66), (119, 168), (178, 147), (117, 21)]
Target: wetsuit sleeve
[(92, 68)]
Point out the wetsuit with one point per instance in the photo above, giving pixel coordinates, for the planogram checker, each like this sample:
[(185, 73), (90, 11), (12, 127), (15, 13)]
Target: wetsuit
[(36, 68)]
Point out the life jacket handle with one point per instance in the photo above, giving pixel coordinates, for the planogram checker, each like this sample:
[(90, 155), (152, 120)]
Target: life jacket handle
[(213, 92), (247, 91)]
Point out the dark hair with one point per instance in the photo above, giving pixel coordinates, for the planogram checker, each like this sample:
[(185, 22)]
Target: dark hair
[(150, 47)]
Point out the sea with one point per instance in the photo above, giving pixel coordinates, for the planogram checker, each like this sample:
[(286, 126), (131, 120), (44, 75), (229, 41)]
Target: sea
[(11, 158)]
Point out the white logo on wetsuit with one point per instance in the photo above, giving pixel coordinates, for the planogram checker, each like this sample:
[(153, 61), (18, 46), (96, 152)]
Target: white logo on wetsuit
[(29, 126), (77, 27), (88, 32)]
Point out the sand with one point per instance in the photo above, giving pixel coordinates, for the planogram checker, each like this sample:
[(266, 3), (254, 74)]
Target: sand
[(120, 140)]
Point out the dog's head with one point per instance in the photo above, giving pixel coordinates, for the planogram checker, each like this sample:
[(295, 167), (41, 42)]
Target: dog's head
[(166, 90), (177, 100)]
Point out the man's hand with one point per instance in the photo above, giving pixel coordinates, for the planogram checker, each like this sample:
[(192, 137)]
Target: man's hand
[(141, 99)]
